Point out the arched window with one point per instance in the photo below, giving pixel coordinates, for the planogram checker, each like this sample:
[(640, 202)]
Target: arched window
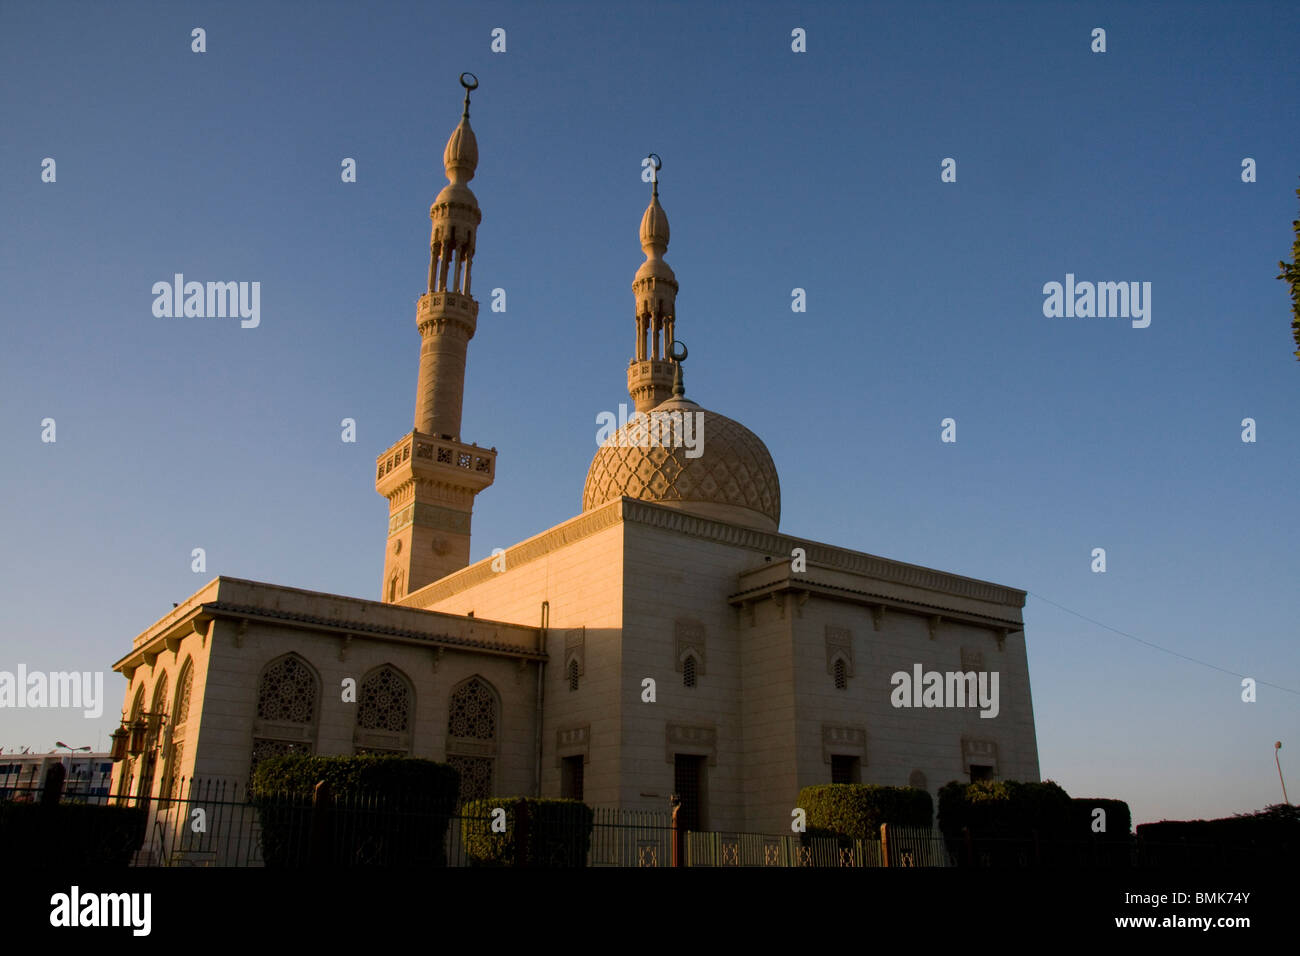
[(180, 718), (841, 674), (472, 719), (288, 695), (384, 712), (688, 671), (153, 739), (573, 675), (129, 765)]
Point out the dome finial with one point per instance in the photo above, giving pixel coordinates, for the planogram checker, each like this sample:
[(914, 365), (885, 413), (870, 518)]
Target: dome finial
[(654, 224), (677, 352), (460, 158), (656, 164), (470, 84)]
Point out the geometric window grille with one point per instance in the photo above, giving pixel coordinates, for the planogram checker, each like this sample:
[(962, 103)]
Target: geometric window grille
[(287, 692), (475, 776), (471, 737), (473, 712), (573, 675), (183, 697), (263, 748), (182, 713), (286, 711), (688, 671), (384, 702), (841, 674), (159, 701)]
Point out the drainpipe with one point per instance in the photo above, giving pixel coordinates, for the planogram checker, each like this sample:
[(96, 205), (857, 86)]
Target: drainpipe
[(541, 671)]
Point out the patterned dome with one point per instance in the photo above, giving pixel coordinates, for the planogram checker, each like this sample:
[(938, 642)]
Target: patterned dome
[(733, 480)]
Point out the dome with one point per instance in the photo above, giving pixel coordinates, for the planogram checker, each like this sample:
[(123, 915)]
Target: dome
[(733, 479), (654, 226)]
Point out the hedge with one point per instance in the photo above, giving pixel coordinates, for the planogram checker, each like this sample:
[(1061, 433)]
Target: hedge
[(1119, 820), (856, 810), (71, 834), (387, 810), (1005, 809), (559, 832), (1271, 835)]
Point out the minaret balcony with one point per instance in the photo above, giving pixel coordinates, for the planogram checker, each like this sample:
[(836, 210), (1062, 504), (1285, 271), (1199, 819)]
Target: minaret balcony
[(436, 459), (437, 309)]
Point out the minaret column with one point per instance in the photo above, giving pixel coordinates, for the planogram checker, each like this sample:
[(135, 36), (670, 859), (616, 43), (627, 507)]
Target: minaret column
[(431, 477), (650, 372)]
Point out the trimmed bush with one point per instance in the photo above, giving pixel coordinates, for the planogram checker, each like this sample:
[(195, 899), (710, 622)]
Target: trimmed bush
[(71, 834), (1109, 848), (1119, 821), (386, 810), (559, 832), (1009, 821), (1005, 808), (856, 810)]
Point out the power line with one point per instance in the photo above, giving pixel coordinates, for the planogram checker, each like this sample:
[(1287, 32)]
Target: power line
[(1134, 637)]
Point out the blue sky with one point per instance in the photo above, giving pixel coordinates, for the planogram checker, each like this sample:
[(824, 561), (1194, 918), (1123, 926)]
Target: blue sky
[(817, 170)]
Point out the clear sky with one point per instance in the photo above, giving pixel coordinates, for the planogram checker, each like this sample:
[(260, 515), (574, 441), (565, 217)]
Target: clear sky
[(817, 170)]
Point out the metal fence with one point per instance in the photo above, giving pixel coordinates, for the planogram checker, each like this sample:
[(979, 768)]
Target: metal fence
[(214, 823)]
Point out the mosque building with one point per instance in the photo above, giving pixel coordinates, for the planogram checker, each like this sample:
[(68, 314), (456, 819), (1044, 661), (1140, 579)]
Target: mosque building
[(669, 639)]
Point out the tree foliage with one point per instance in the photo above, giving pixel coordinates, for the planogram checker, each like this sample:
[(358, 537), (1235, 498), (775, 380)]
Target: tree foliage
[(1291, 275)]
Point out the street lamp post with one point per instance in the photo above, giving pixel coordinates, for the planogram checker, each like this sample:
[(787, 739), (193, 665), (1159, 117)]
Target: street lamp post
[(1276, 747), (59, 744)]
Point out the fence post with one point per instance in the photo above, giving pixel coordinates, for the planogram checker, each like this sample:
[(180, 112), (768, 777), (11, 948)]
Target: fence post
[(521, 833), (967, 846), (884, 844), (679, 835), (52, 792), (322, 805)]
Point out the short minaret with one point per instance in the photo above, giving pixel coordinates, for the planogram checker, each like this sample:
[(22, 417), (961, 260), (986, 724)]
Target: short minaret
[(430, 477), (650, 372)]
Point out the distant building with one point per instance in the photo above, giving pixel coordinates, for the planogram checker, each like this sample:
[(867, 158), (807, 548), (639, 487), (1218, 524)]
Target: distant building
[(669, 639), (87, 775)]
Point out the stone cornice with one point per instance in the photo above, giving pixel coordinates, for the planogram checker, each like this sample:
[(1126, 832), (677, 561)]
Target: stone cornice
[(807, 587), (210, 603), (762, 542)]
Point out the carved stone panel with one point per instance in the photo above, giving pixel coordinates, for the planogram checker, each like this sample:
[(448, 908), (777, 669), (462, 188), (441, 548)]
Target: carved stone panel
[(839, 645), (698, 739), (572, 741), (844, 740), (690, 641)]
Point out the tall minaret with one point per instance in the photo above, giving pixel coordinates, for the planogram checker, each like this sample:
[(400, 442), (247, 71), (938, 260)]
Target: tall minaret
[(430, 477), (650, 372)]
